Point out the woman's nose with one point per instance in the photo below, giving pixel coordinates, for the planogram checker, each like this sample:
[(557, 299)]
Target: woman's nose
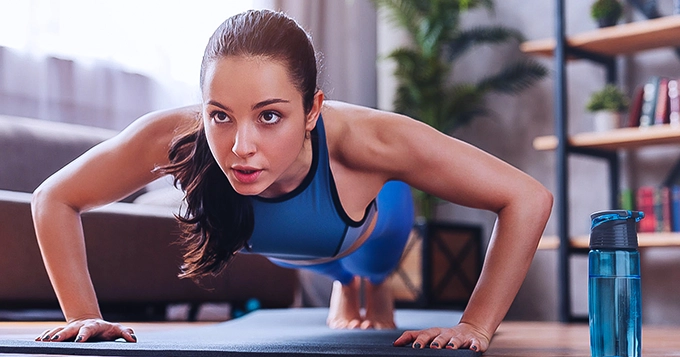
[(244, 142)]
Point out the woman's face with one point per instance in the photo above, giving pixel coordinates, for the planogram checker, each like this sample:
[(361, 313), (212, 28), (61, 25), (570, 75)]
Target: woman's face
[(256, 126)]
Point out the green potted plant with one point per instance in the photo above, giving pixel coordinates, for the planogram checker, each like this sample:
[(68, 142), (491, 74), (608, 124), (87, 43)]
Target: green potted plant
[(607, 106), (606, 12), (424, 69)]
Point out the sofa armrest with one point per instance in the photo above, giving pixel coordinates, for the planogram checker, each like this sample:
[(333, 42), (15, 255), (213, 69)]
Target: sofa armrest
[(133, 259)]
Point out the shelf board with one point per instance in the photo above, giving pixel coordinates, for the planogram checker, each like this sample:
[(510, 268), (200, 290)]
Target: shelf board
[(616, 40), (645, 240), (624, 138)]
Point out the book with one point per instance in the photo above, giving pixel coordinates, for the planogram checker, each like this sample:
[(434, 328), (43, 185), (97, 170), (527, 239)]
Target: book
[(644, 199), (675, 208), (673, 102), (649, 96), (635, 108), (626, 200), (661, 112), (662, 209)]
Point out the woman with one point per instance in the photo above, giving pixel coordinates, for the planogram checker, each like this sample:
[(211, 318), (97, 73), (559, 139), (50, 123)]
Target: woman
[(265, 152)]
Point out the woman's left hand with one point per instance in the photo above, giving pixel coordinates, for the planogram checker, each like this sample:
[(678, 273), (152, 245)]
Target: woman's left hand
[(461, 336)]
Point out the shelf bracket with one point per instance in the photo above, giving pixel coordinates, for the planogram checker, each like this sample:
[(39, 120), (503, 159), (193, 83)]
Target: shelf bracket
[(612, 158), (608, 62), (673, 176)]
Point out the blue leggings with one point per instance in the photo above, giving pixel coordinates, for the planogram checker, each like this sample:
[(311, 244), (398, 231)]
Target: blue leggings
[(381, 252)]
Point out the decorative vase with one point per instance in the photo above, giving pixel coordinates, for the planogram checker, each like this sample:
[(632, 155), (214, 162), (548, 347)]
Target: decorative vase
[(606, 120)]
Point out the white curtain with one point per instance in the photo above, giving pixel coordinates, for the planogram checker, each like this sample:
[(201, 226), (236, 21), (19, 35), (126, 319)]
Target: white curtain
[(63, 90), (344, 31), (103, 63)]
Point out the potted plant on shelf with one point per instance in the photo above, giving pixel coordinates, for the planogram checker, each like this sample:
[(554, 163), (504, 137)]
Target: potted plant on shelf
[(607, 106), (606, 12), (424, 69)]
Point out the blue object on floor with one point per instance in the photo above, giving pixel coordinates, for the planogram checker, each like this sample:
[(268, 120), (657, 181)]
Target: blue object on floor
[(281, 332)]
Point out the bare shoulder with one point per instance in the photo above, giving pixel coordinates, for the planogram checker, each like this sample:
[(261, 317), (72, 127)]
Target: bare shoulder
[(164, 123), (364, 138), (154, 132)]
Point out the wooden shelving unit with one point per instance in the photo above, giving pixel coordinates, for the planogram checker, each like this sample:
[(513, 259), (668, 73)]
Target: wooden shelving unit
[(624, 138), (616, 40), (599, 46), (645, 240)]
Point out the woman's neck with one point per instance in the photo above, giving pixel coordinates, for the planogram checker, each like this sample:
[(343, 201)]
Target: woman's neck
[(296, 173)]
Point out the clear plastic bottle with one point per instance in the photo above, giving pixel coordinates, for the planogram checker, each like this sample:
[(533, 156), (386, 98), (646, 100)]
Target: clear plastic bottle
[(614, 297)]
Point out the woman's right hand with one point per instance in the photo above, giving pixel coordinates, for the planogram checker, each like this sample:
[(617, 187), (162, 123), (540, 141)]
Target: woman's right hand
[(88, 330)]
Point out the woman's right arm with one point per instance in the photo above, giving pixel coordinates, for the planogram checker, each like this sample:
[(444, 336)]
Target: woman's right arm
[(106, 173)]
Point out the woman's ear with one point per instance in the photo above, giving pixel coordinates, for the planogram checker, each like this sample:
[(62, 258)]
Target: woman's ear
[(313, 115)]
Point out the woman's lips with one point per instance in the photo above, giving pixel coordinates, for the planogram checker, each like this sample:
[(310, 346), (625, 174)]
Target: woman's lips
[(246, 175)]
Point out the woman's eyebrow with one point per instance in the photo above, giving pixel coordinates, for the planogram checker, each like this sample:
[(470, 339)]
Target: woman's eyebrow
[(267, 102), (220, 105), (256, 106)]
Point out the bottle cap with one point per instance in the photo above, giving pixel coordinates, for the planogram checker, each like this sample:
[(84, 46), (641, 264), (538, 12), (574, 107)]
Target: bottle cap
[(614, 229)]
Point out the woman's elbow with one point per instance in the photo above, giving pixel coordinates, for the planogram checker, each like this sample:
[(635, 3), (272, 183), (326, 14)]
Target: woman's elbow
[(541, 200)]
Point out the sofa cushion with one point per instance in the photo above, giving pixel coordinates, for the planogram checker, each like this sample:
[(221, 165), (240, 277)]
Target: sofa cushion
[(32, 149)]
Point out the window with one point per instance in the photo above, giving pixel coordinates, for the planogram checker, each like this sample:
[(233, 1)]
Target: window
[(160, 39)]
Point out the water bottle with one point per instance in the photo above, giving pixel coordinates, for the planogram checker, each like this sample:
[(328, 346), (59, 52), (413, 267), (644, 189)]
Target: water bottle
[(614, 298)]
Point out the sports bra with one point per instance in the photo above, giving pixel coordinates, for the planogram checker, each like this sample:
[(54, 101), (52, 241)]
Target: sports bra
[(308, 222)]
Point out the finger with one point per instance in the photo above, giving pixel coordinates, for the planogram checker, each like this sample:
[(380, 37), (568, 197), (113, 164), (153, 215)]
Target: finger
[(424, 337), (439, 342), (85, 333), (47, 335), (456, 342), (477, 345), (129, 335), (41, 337), (405, 338), (68, 333), (56, 334)]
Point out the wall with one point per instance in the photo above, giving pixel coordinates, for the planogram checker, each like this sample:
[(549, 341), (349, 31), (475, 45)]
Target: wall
[(519, 119)]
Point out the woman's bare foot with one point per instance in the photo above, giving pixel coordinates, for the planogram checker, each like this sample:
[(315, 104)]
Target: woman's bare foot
[(344, 311), (379, 307)]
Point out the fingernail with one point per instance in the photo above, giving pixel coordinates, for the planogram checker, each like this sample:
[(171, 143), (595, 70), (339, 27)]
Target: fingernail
[(79, 338), (46, 338), (434, 344), (416, 345), (133, 337), (451, 345), (474, 348), (54, 338)]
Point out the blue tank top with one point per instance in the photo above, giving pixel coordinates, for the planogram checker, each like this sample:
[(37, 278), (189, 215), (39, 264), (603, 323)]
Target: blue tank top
[(308, 222)]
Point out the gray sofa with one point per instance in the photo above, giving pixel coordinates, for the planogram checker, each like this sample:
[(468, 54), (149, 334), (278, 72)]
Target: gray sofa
[(132, 258)]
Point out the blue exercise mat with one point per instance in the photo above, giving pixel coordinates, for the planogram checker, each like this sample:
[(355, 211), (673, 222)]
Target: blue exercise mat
[(280, 332)]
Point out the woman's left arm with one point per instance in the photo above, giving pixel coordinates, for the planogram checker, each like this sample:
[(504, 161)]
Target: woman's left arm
[(410, 151)]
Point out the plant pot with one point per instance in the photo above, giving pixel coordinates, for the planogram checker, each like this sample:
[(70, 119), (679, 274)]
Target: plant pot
[(606, 120), (607, 21)]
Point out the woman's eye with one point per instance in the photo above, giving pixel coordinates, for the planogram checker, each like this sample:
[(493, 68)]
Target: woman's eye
[(219, 117), (270, 118)]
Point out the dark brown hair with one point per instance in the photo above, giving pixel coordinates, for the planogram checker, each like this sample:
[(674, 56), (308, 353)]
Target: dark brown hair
[(218, 221)]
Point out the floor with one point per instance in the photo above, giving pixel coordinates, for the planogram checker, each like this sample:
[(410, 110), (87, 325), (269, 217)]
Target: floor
[(524, 339)]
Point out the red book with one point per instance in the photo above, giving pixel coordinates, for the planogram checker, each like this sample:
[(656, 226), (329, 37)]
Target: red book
[(635, 108), (645, 203), (661, 112)]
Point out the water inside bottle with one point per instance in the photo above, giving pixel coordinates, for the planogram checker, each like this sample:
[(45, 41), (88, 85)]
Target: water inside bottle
[(615, 322)]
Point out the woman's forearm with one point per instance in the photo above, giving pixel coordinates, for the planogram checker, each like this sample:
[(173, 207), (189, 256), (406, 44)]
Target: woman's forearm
[(60, 237), (511, 249)]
